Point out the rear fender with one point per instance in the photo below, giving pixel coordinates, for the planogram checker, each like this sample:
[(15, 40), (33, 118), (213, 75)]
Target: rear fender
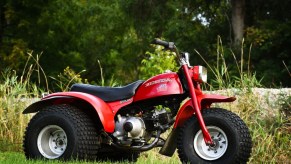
[(204, 101), (102, 109)]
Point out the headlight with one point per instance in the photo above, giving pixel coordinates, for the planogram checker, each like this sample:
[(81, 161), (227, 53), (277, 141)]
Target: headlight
[(203, 73), (199, 73), (186, 57)]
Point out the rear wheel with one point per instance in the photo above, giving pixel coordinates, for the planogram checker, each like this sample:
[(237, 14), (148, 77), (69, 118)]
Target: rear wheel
[(52, 141), (232, 140), (61, 132)]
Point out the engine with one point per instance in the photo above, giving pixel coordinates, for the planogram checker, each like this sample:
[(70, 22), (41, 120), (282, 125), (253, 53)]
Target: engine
[(128, 129), (138, 130)]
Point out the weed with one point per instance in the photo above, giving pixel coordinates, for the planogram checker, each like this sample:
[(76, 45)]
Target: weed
[(67, 78), (15, 95)]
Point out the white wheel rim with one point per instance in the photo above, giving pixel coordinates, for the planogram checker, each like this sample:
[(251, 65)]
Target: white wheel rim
[(52, 141), (211, 152)]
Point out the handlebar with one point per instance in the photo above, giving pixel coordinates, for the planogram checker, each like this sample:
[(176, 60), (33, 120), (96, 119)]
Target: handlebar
[(182, 59), (161, 42), (167, 45)]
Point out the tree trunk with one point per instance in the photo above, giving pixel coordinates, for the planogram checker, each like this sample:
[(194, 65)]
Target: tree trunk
[(2, 22), (237, 21)]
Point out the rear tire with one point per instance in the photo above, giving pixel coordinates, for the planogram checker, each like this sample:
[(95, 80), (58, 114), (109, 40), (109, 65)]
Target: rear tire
[(229, 132), (61, 132)]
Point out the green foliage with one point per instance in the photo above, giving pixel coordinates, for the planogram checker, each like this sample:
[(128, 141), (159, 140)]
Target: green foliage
[(157, 63), (257, 36), (67, 78), (270, 25), (16, 56), (78, 33)]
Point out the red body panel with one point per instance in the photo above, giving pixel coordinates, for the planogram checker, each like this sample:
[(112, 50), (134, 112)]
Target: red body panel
[(204, 101), (103, 110), (115, 106), (160, 85)]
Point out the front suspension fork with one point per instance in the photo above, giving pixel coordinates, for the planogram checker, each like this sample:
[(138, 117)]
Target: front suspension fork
[(206, 135)]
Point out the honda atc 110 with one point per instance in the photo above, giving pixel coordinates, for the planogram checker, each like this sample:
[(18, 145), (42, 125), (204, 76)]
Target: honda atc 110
[(94, 122)]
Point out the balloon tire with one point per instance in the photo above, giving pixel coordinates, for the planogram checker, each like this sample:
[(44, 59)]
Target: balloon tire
[(81, 133), (238, 137)]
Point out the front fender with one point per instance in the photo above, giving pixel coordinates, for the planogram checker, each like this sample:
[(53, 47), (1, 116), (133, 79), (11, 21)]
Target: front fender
[(204, 101), (102, 109)]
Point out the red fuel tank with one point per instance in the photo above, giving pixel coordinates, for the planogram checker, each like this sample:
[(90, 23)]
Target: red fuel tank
[(160, 85)]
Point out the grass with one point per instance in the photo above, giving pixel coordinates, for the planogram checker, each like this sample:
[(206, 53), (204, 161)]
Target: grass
[(145, 158), (17, 157), (14, 97)]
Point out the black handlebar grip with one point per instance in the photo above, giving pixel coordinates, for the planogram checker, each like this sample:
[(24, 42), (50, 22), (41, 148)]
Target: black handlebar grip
[(161, 42)]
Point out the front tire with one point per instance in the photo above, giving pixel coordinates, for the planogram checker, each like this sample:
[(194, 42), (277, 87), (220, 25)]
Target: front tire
[(231, 136), (61, 132)]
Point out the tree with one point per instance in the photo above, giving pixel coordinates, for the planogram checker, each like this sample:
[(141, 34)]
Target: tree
[(80, 33), (268, 29), (237, 20)]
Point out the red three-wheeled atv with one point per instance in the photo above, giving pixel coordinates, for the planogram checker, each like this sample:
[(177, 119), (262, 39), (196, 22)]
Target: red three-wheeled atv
[(93, 122)]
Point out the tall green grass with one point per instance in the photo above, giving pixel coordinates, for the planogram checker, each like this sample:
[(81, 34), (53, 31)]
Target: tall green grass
[(15, 95), (235, 74)]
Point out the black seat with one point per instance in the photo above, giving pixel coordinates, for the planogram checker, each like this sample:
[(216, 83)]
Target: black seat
[(108, 93)]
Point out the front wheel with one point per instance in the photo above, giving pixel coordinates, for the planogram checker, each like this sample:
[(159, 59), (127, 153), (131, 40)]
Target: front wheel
[(232, 140)]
